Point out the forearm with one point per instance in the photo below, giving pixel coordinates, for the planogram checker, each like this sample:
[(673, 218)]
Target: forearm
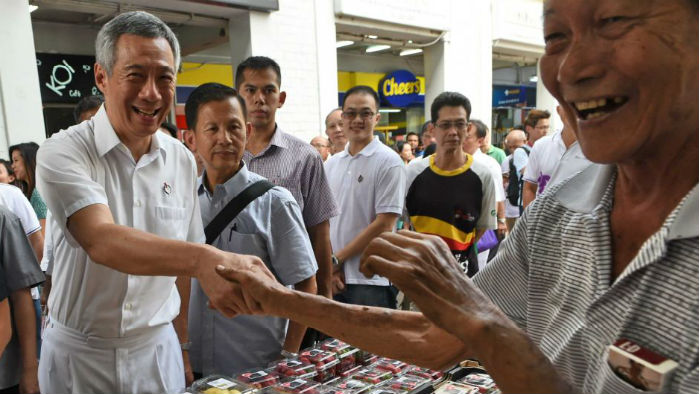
[(296, 331), (321, 243), (515, 362), (36, 240), (529, 191), (383, 222), (402, 335), (501, 210), (25, 321), (183, 284), (5, 324)]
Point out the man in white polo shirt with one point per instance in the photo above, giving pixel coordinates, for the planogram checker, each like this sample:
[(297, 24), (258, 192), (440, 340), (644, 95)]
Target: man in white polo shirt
[(123, 199), (367, 179)]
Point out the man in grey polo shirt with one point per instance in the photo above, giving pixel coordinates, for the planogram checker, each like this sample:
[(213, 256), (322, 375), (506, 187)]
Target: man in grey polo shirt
[(270, 227), (286, 160)]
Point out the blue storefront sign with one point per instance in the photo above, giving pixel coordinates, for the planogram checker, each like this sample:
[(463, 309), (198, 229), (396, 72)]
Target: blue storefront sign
[(400, 89), (513, 96)]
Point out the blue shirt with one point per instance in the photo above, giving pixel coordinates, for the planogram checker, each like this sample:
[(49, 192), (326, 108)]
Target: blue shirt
[(270, 227)]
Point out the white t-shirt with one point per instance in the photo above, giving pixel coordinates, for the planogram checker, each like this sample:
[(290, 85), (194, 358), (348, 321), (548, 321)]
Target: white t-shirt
[(364, 185), (495, 170), (87, 164), (544, 158), (12, 198), (572, 162), (512, 211)]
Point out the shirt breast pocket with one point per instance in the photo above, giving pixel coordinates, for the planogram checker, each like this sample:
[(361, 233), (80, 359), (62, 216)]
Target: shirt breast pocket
[(236, 242), (172, 222)]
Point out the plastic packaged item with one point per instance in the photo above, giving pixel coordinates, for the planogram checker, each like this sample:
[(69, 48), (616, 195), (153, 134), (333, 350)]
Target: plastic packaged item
[(324, 361), (366, 358), (335, 390), (259, 378), (298, 386), (407, 383), (347, 355), (352, 384), (372, 375), (482, 381), (349, 372), (294, 367), (456, 388), (219, 384), (326, 373), (393, 366), (423, 372), (384, 390)]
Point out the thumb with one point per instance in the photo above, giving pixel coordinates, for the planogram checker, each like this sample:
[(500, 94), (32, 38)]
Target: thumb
[(225, 272)]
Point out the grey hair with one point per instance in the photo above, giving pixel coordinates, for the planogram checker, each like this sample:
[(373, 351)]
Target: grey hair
[(138, 23)]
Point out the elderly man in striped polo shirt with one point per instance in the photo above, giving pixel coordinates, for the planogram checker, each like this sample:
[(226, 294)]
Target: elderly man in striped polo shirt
[(598, 282)]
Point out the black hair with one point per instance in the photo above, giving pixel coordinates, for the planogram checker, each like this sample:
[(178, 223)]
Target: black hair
[(361, 89), (208, 92), (8, 168), (28, 152), (425, 127), (481, 128), (87, 103), (535, 115), (172, 129), (410, 134), (449, 99), (257, 63), (430, 150)]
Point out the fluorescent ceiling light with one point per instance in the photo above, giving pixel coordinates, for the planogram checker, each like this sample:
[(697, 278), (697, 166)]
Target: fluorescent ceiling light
[(344, 43), (372, 36), (408, 52), (534, 78), (377, 48), (389, 110), (32, 8)]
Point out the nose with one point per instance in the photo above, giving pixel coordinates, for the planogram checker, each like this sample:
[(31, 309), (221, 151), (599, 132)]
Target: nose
[(259, 97), (584, 61), (149, 91)]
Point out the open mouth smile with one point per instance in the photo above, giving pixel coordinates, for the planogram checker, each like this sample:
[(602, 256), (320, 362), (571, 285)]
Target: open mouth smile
[(145, 113), (595, 108)]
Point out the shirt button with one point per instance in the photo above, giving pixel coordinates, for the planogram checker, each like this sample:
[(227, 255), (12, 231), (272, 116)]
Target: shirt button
[(137, 203), (127, 306)]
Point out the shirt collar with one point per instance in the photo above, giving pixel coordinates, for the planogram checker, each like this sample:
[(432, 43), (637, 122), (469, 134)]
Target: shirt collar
[(233, 186), (107, 139), (368, 150), (278, 138), (585, 191)]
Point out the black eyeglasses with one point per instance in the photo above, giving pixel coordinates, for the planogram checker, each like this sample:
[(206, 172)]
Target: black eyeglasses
[(447, 125)]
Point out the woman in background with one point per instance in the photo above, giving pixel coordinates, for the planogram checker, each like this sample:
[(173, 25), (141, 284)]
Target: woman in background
[(24, 166)]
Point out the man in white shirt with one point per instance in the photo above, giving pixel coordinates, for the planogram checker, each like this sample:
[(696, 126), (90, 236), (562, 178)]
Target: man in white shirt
[(123, 199), (367, 179), (547, 154)]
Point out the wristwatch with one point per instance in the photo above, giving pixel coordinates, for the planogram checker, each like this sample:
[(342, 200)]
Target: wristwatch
[(186, 346), (335, 260), (501, 220)]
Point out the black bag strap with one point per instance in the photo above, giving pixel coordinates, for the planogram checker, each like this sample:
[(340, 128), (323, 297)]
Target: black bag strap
[(234, 207)]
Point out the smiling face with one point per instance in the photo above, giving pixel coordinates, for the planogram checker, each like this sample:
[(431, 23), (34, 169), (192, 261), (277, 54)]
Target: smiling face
[(18, 166), (261, 91), (219, 136), (139, 93), (626, 71), (334, 130), (413, 141), (360, 117)]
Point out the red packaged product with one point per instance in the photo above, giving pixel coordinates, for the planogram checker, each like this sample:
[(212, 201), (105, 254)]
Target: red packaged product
[(482, 381), (373, 375), (353, 384), (349, 372), (293, 367), (393, 366), (298, 386), (318, 357), (259, 378), (423, 372), (406, 382)]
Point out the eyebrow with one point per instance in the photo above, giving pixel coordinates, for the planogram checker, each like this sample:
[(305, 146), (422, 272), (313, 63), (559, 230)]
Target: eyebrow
[(140, 67)]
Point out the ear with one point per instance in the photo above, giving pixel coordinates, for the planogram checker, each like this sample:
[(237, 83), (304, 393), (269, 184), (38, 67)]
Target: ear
[(190, 140), (283, 98), (100, 78), (248, 130), (377, 117)]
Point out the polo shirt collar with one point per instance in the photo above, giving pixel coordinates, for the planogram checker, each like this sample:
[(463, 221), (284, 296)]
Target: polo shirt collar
[(233, 186), (585, 191), (107, 139), (368, 150)]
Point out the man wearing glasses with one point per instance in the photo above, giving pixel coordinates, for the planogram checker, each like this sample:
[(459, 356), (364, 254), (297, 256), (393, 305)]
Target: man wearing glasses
[(536, 125), (449, 193), (367, 179)]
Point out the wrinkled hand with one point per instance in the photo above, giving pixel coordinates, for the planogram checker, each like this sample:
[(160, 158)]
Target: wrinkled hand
[(224, 295), (189, 375), (255, 284), (423, 267)]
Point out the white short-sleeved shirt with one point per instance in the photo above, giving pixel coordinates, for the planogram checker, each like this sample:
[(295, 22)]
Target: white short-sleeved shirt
[(364, 185), (495, 170), (572, 162), (544, 157), (87, 164), (13, 199)]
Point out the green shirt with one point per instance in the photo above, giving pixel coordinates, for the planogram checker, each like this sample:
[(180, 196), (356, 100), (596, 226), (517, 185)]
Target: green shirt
[(38, 204), (497, 153)]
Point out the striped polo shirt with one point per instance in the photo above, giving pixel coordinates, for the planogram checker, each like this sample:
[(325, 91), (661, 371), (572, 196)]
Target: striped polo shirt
[(552, 277)]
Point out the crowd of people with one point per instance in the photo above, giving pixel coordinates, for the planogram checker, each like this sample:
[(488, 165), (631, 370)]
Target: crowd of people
[(163, 260)]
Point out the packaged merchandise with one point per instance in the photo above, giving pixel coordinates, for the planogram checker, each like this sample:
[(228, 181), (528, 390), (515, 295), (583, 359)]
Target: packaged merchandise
[(324, 361), (456, 388), (407, 383), (295, 367), (423, 372), (349, 372), (298, 386), (347, 355), (219, 384), (393, 366), (355, 385), (259, 378), (482, 381), (366, 358), (383, 390), (372, 375)]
